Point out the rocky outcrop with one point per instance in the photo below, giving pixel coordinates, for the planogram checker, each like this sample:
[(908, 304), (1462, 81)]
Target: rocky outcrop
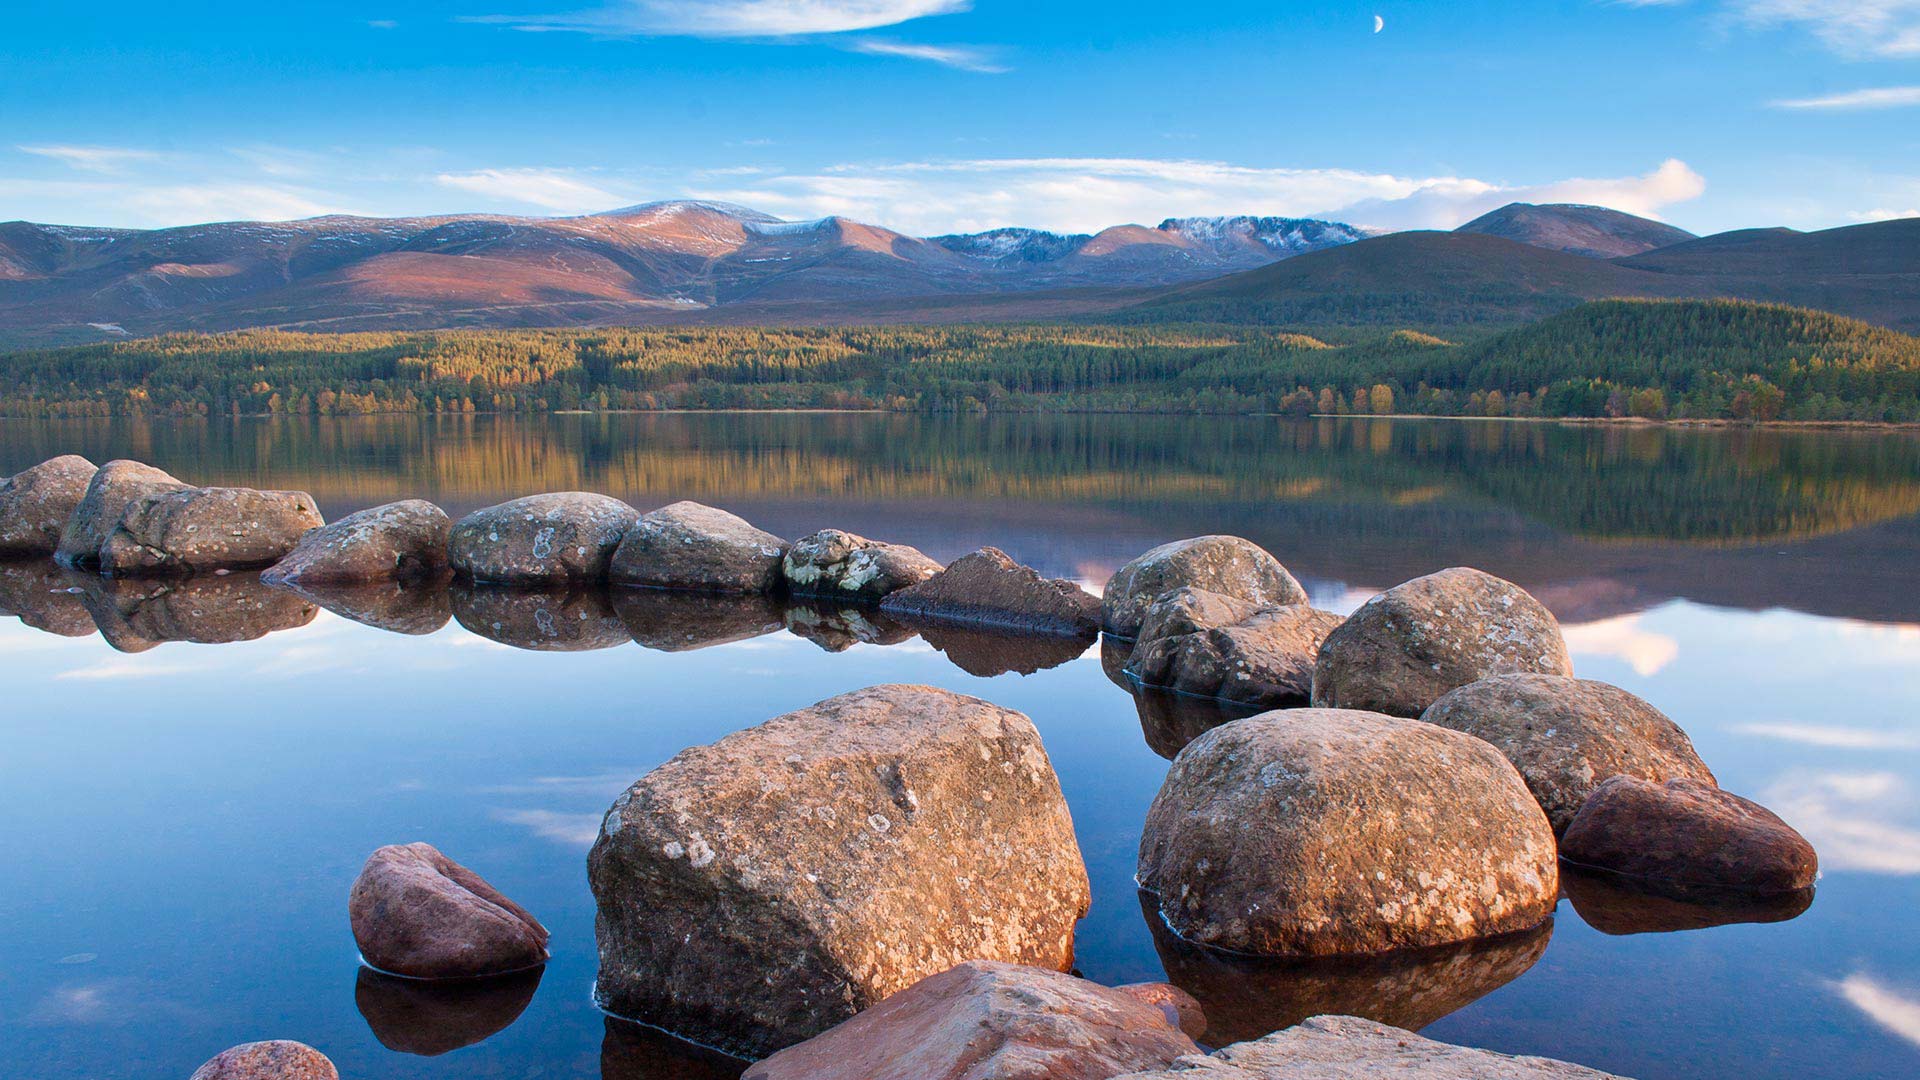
[(1409, 645), (205, 529), (413, 1016), (756, 892), (842, 566), (700, 549), (684, 622), (1567, 736), (551, 618), (1178, 1007), (1317, 832), (990, 1021), (36, 503), (987, 588), (1226, 565), (417, 913), (554, 539), (45, 597), (136, 615), (400, 541), (1265, 659), (1685, 835), (116, 485), (1349, 1048), (279, 1060)]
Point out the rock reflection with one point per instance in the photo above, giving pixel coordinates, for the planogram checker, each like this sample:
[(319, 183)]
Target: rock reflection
[(1613, 905), (1170, 721), (1247, 997), (837, 629), (985, 653), (414, 608), (137, 615), (631, 1051), (540, 619), (43, 595), (684, 622), (433, 1018)]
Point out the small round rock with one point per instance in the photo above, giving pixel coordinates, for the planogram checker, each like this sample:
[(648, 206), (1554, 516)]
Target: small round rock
[(275, 1060)]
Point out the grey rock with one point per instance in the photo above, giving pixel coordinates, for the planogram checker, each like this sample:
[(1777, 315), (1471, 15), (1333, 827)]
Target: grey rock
[(36, 503), (204, 529), (117, 484), (1188, 610), (1226, 565), (701, 549), (842, 566), (1265, 659), (987, 588), (399, 541), (553, 539)]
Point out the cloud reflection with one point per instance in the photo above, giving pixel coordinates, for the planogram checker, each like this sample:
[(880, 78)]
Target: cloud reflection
[(573, 830), (1851, 819), (1623, 639), (1894, 1009), (1833, 737)]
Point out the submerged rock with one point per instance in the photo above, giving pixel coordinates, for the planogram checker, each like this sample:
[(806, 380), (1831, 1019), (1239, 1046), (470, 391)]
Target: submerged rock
[(755, 892), (116, 485), (1619, 905), (419, 914), (553, 539), (698, 548), (1318, 832), (837, 629), (398, 541), (35, 504), (987, 588), (44, 596), (1409, 645), (842, 566), (555, 618), (684, 621), (1685, 835), (1350, 1048), (400, 607), (1567, 736), (1265, 659), (204, 529), (413, 1016), (990, 1021), (278, 1060), (1226, 565), (136, 615)]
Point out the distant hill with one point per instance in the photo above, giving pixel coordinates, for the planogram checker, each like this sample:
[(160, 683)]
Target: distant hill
[(1593, 231)]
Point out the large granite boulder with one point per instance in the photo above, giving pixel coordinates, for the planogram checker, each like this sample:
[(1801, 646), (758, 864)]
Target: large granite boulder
[(1226, 565), (544, 618), (419, 914), (1319, 832), (756, 892), (987, 588), (1349, 1048), (36, 503), (842, 566), (136, 615), (700, 549), (44, 596), (204, 529), (1684, 836), (569, 536), (1409, 645), (113, 488), (1265, 659), (430, 1018), (278, 1060), (990, 1021), (1567, 735), (399, 541)]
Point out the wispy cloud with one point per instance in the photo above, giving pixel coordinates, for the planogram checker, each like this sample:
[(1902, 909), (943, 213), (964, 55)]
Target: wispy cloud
[(231, 202), (1835, 737), (100, 159), (552, 189), (1885, 213), (735, 18), (1893, 1008), (1886, 97), (573, 830), (1854, 28), (964, 57)]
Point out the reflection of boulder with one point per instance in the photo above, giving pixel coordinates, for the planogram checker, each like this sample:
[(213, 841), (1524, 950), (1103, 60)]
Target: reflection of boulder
[(1612, 904), (1115, 652), (1246, 997), (136, 615), (837, 629), (632, 1051), (674, 621), (431, 1018), (986, 653), (411, 607), (1170, 721), (557, 619), (39, 593)]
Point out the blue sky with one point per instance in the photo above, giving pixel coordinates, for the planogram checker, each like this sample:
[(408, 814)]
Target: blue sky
[(936, 115)]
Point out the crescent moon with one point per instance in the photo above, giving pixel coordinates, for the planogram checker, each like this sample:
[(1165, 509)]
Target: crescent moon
[(1379, 24)]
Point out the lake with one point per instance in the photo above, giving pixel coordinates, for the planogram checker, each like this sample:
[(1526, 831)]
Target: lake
[(193, 776)]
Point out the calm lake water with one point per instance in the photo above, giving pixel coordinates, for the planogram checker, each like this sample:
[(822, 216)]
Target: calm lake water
[(183, 818)]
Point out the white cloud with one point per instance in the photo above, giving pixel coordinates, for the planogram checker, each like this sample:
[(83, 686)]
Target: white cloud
[(119, 669), (737, 18), (1885, 97), (550, 189), (964, 57), (183, 203), (1834, 737), (1892, 1008), (1855, 28), (1885, 214), (102, 159)]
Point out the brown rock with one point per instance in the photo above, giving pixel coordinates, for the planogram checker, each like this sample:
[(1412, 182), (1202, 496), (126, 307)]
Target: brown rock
[(1226, 565), (557, 538), (1349, 1048), (413, 1016), (684, 621), (1684, 835), (1267, 659), (698, 548), (1188, 610), (1619, 905), (137, 615), (990, 1021), (399, 607), (1178, 1006), (987, 588), (279, 1060), (837, 629), (36, 503), (755, 892), (1318, 832), (554, 618), (44, 596), (1409, 645), (1567, 735), (419, 914), (204, 529), (112, 489), (842, 566), (398, 541)]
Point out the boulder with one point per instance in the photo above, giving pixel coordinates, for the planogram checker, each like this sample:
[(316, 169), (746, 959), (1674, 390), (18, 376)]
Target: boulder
[(413, 1016), (1685, 835), (418, 914), (837, 629), (136, 615), (756, 892), (278, 1060), (1349, 1048), (987, 588), (700, 549), (116, 485), (1319, 832), (1409, 645), (990, 1021), (553, 618), (1187, 610), (1265, 659), (400, 607), (36, 503), (1176, 1005), (1226, 565), (542, 539), (44, 596), (1618, 905), (841, 566), (398, 541), (1568, 735), (683, 621), (204, 529)]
